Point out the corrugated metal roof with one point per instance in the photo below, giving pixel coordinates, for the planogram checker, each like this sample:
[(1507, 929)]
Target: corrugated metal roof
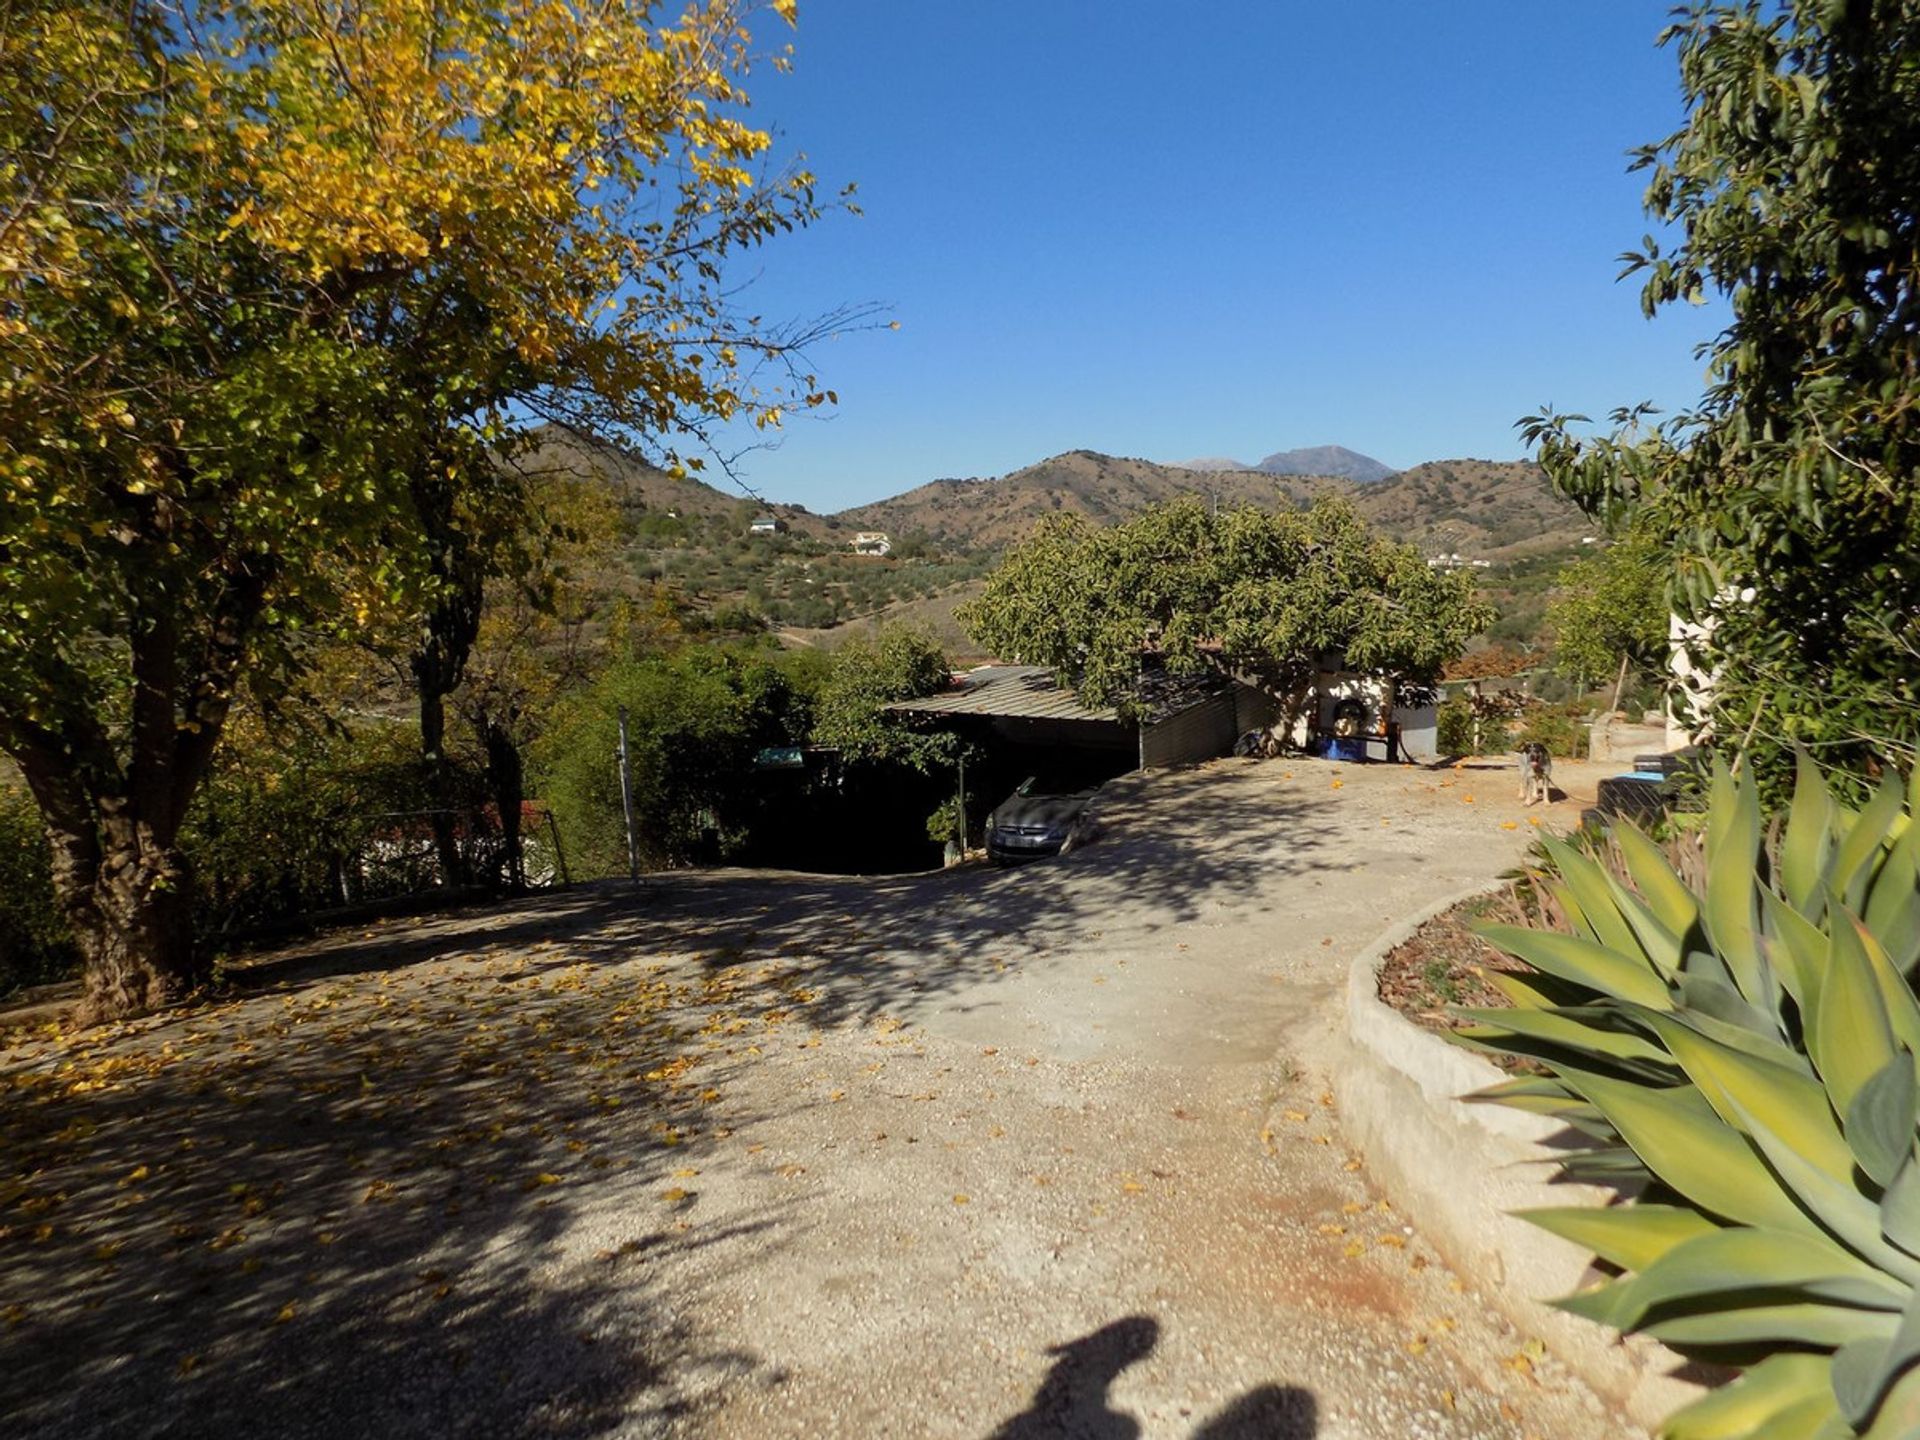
[(1028, 692), (1025, 691)]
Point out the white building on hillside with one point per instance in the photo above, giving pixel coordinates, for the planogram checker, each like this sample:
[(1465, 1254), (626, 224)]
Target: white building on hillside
[(871, 542)]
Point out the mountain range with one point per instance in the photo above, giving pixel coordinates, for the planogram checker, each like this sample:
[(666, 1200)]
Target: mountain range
[(1485, 509)]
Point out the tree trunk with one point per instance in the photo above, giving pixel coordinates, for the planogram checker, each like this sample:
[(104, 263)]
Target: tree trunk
[(127, 897), (135, 933), (433, 741), (506, 778)]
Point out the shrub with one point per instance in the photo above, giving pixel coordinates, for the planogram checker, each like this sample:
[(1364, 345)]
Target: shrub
[(34, 944), (1453, 724), (291, 823), (1556, 728), (1743, 1042), (695, 721)]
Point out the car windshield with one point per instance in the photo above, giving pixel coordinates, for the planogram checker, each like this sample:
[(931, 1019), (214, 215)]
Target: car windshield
[(1053, 783)]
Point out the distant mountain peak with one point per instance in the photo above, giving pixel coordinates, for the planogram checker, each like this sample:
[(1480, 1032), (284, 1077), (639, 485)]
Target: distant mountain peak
[(1326, 460), (1213, 462), (1334, 460)]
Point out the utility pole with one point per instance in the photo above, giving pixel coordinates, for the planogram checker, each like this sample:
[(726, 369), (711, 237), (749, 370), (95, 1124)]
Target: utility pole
[(963, 804), (626, 802)]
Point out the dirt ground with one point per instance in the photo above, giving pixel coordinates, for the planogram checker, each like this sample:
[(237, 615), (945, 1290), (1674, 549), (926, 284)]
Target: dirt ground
[(1043, 1152)]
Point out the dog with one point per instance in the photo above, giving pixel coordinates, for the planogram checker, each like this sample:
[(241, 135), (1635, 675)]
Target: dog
[(1536, 773)]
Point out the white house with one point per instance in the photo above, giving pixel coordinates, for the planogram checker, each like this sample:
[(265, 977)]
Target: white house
[(871, 542), (766, 525)]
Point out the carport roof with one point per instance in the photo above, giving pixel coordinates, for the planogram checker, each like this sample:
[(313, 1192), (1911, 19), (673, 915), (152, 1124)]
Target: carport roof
[(1025, 691), (1029, 692)]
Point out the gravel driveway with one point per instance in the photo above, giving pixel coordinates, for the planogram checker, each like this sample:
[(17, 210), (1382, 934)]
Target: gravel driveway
[(1045, 1152)]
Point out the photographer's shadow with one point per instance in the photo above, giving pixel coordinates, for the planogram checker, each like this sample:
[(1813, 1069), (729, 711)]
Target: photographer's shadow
[(1072, 1402)]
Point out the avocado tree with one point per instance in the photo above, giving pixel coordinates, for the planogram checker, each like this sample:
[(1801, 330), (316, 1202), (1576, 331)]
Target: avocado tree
[(1787, 495), (276, 278), (1608, 612), (1264, 594)]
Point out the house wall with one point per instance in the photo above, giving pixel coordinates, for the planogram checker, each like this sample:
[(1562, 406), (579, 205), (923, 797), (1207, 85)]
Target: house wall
[(1419, 731), (1335, 686), (1200, 733), (1253, 709)]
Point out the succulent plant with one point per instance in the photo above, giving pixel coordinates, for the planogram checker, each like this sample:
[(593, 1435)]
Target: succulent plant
[(1741, 1046)]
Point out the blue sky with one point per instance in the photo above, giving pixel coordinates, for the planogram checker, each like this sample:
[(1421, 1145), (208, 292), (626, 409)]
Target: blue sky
[(1229, 228)]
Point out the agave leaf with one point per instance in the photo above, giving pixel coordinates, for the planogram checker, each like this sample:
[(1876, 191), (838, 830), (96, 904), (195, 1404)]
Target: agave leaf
[(1758, 1402), (1679, 1138), (1569, 904), (1864, 1370), (1492, 1040), (1566, 1029), (1880, 1122), (1900, 1208), (1861, 848), (1856, 1378), (1769, 1047), (1665, 893), (1751, 1262), (1850, 1037), (1613, 1165), (1808, 842), (1732, 882), (1902, 1009), (1792, 1105), (1899, 1417), (1837, 1205), (1712, 996), (1507, 1092), (1583, 961), (1662, 947), (1521, 991), (1899, 932), (1630, 1236), (1893, 900), (1798, 951), (1802, 1323), (1598, 902), (1610, 1304), (1703, 965)]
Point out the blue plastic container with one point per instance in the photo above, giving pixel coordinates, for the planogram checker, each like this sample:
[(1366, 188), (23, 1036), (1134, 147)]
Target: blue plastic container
[(1341, 748)]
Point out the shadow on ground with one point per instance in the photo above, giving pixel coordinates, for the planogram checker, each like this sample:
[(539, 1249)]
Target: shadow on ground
[(1169, 848), (1073, 1402), (347, 1209), (345, 1216)]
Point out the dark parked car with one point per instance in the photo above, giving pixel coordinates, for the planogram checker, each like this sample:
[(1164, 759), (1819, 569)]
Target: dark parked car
[(1047, 815)]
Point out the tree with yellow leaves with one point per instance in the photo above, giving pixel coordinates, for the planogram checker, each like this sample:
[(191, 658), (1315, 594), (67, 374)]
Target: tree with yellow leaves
[(277, 280)]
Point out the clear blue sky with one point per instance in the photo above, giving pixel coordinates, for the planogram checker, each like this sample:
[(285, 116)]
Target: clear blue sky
[(1172, 230)]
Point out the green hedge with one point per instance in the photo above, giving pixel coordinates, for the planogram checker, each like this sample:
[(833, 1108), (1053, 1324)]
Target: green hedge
[(34, 944)]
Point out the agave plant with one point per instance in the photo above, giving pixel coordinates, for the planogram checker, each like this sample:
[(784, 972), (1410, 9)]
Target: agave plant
[(1742, 1049)]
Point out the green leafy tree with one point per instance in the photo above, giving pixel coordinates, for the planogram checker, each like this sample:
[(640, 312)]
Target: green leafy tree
[(1265, 594), (899, 663), (1788, 494), (276, 278), (695, 722), (1609, 611)]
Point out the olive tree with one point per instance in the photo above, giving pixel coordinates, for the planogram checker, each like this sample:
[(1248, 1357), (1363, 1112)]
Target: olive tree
[(1264, 594)]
